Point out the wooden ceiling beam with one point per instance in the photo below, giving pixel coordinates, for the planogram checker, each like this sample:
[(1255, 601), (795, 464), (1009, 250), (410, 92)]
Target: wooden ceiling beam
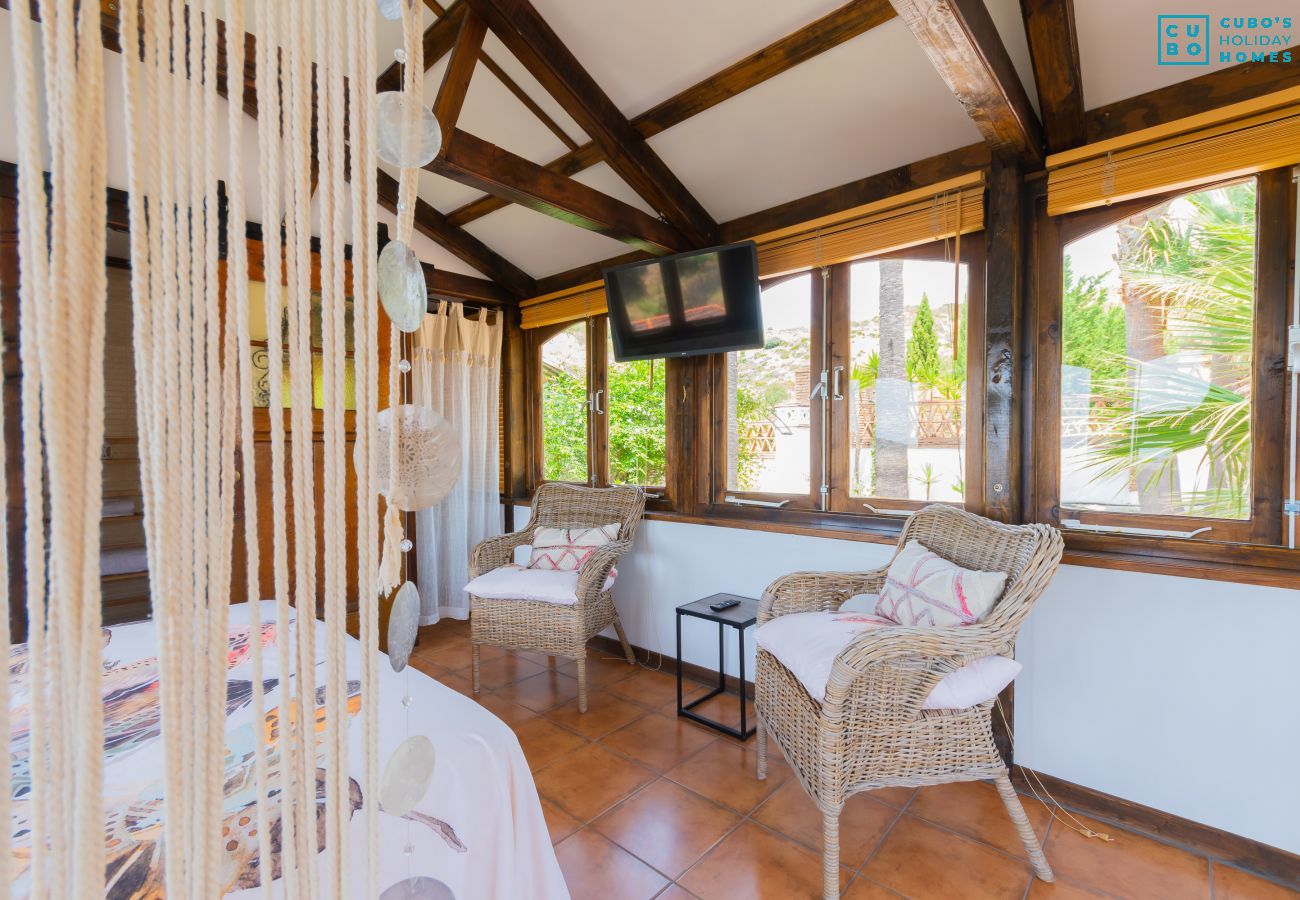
[(428, 220), (1054, 49), (880, 186), (527, 35), (433, 224), (455, 286), (439, 38), (475, 162), (460, 69), (1187, 98), (831, 30), (966, 51)]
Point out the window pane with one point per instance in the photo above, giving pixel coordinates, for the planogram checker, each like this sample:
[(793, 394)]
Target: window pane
[(907, 380), (1157, 319), (638, 422), (564, 405), (768, 434)]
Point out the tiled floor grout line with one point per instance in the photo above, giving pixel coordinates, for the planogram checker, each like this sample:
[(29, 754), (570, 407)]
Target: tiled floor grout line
[(429, 655)]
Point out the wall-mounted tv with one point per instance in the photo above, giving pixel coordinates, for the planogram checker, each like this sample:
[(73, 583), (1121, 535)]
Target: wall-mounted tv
[(704, 301)]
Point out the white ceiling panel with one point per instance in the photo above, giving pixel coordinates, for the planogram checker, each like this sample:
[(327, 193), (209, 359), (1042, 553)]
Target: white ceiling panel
[(642, 53), (1010, 24), (606, 180), (1118, 43), (539, 244), (494, 114), (493, 47), (864, 107)]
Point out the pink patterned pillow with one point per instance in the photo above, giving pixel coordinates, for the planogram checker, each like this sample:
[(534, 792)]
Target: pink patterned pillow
[(923, 588), (566, 549)]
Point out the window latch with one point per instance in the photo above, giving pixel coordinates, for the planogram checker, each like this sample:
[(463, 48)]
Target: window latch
[(819, 389)]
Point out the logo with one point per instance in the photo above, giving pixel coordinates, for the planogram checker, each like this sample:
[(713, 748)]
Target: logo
[(1183, 40), (1186, 40)]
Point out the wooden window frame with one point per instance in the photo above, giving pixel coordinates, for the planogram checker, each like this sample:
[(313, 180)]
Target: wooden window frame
[(1250, 546), (598, 359), (809, 501), (841, 354), (830, 345)]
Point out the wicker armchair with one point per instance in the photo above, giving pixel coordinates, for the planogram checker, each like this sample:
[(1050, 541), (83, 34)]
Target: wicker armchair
[(550, 628), (870, 730)]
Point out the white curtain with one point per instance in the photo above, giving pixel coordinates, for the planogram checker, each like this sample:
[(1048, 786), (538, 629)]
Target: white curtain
[(456, 369)]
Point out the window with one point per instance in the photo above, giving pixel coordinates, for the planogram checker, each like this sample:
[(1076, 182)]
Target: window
[(1161, 331), (858, 403), (638, 421), (906, 380), (602, 422), (1157, 327), (769, 428), (565, 404)]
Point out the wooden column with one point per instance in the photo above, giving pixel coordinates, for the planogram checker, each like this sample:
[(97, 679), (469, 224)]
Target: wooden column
[(15, 543), (1004, 356), (1274, 240)]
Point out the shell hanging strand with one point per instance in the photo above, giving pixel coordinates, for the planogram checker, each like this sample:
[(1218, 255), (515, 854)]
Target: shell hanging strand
[(390, 566)]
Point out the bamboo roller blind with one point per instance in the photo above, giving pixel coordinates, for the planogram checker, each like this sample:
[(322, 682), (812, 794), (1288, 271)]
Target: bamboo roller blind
[(1236, 140), (917, 217)]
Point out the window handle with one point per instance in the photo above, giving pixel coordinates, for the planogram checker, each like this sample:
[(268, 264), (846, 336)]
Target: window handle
[(1076, 525), (596, 405), (836, 392), (653, 496), (741, 501), (885, 511)]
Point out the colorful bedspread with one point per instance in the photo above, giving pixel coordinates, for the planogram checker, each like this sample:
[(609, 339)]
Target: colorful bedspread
[(478, 832)]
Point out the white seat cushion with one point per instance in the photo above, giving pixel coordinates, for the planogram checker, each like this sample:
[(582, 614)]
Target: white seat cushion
[(515, 582), (807, 644)]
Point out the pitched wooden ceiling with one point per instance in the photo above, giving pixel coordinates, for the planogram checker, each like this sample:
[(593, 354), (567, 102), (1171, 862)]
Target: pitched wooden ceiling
[(581, 130)]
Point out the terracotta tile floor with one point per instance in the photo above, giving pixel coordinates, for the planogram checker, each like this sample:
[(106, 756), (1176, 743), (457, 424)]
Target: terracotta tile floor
[(642, 804)]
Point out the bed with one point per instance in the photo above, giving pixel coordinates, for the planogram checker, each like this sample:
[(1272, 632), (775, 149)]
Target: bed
[(478, 831)]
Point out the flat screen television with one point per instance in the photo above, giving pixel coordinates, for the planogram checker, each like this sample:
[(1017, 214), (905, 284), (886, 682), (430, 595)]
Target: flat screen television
[(704, 301)]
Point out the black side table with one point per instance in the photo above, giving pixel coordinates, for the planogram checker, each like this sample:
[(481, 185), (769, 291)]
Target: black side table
[(738, 617)]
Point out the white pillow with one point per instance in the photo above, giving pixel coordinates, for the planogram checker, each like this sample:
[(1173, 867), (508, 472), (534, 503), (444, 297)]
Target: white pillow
[(566, 549), (807, 644), (923, 588), (513, 582)]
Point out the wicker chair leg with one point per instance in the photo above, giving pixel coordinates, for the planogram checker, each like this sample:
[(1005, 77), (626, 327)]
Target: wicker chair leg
[(1027, 837), (473, 654), (582, 685), (622, 637), (830, 856), (761, 737)]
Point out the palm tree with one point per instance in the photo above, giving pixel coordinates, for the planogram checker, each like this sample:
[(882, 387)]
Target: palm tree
[(892, 413), (1200, 269)]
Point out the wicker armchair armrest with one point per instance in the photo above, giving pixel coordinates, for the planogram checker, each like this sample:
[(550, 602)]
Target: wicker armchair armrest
[(595, 568), (930, 653), (495, 552), (815, 591)]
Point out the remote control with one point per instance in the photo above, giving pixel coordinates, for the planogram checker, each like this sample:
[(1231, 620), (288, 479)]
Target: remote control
[(723, 604)]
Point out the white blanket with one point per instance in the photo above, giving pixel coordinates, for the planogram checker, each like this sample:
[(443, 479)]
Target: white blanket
[(479, 829)]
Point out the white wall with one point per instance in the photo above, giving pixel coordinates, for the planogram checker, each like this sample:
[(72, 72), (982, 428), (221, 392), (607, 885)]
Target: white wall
[(1179, 694)]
